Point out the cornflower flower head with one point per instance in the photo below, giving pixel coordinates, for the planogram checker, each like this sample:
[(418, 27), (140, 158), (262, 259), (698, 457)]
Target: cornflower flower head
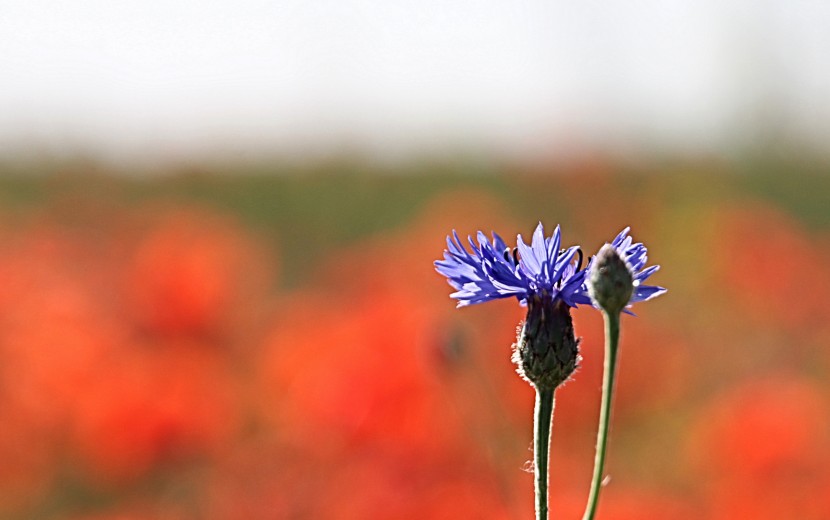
[(492, 270), (616, 274), (543, 277)]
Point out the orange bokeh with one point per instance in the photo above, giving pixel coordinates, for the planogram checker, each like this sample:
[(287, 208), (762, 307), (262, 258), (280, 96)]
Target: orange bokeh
[(150, 368)]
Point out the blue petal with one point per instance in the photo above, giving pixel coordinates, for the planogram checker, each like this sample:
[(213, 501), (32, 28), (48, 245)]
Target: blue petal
[(620, 237), (646, 292), (645, 273), (540, 250), (499, 244), (527, 260), (563, 262), (553, 250)]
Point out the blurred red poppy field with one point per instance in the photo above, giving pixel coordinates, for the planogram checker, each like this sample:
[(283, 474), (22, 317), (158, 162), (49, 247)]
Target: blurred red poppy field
[(243, 345)]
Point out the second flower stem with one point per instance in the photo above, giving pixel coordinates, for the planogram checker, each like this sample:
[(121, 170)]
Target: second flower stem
[(542, 419), (612, 336)]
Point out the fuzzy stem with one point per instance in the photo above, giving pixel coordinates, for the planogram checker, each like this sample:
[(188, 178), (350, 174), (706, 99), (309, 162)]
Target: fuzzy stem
[(542, 419), (612, 336)]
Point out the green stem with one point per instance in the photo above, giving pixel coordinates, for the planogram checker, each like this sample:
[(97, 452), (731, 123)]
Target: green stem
[(612, 336), (542, 418)]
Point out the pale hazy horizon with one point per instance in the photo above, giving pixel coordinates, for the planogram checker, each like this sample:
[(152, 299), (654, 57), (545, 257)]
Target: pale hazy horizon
[(181, 78)]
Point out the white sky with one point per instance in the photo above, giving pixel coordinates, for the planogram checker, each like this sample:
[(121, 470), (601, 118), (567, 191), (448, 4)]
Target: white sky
[(175, 78)]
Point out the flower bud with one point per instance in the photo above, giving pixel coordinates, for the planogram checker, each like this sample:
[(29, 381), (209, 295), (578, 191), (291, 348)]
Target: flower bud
[(546, 351), (610, 282)]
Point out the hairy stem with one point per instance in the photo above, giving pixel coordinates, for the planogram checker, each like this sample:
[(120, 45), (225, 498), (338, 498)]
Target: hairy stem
[(542, 419), (612, 336)]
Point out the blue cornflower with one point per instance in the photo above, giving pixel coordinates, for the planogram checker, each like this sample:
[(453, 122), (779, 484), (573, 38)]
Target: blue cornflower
[(542, 277), (634, 256), (492, 270)]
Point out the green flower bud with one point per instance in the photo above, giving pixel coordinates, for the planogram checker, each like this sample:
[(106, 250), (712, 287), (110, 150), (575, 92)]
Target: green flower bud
[(610, 282)]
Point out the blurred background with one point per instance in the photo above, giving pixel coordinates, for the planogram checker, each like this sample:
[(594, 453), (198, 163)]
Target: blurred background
[(218, 222)]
